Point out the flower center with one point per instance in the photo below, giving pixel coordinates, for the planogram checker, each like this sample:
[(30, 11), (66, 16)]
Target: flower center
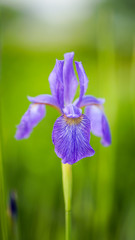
[(72, 111), (73, 121)]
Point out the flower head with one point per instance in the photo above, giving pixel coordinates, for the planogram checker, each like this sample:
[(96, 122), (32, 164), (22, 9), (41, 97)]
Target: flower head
[(71, 131)]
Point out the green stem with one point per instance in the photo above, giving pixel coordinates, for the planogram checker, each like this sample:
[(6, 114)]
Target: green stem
[(67, 190), (68, 224)]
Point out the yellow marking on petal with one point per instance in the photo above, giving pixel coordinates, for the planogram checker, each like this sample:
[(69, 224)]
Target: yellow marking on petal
[(58, 109), (93, 104), (34, 105), (73, 121)]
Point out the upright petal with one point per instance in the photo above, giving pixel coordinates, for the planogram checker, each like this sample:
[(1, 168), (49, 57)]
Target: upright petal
[(89, 100), (71, 138), (30, 119), (69, 78), (99, 124), (83, 80), (45, 99), (56, 82)]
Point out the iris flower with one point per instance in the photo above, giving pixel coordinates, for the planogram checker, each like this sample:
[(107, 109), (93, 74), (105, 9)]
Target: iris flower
[(71, 131)]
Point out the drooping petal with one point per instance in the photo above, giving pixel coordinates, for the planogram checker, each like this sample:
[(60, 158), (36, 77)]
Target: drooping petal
[(83, 80), (44, 99), (71, 138), (56, 82), (72, 111), (30, 119), (89, 100), (106, 140), (99, 124), (69, 78)]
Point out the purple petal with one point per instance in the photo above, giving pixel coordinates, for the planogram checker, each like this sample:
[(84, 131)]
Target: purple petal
[(89, 100), (69, 78), (56, 82), (71, 138), (44, 99), (83, 80), (30, 119), (72, 111), (99, 124), (106, 140)]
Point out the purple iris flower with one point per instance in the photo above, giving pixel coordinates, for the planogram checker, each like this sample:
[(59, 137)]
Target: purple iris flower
[(71, 131)]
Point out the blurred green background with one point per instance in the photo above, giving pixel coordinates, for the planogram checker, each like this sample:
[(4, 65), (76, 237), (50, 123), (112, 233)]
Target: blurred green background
[(102, 35)]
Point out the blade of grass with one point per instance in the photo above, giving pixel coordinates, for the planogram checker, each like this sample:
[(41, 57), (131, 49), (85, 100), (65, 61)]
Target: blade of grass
[(3, 219)]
